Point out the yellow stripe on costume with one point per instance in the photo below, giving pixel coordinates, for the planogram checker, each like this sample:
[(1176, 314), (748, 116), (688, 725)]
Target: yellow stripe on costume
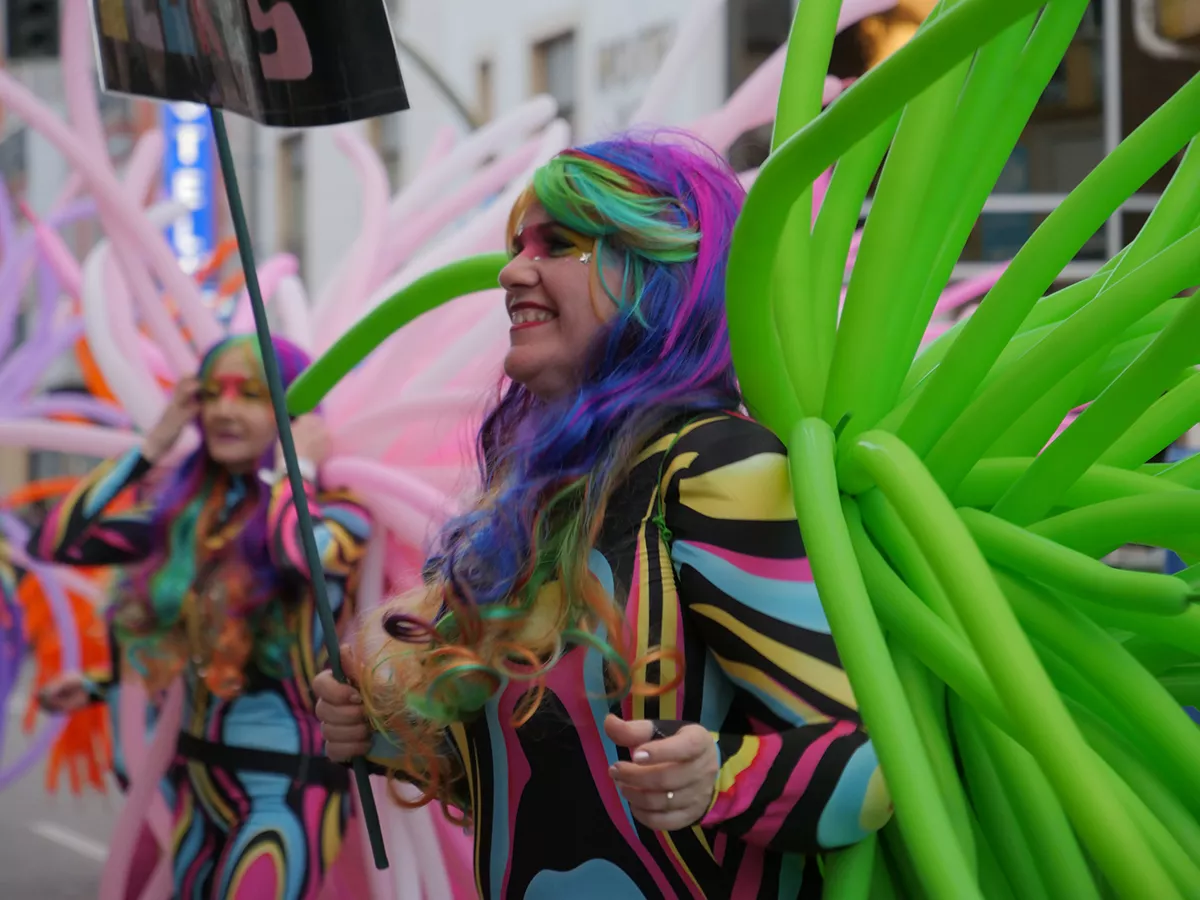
[(809, 714), (681, 462), (184, 820), (738, 763), (679, 860), (829, 679), (877, 804), (668, 703), (306, 661), (642, 626), (664, 442), (458, 733), (668, 668), (756, 488), (332, 834), (207, 795), (73, 498), (271, 851)]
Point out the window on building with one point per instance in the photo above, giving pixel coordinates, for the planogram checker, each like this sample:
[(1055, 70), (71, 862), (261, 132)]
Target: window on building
[(49, 464), (42, 464), (555, 73), (1118, 70), (485, 91), (292, 205), (1113, 76), (38, 465), (1173, 21), (1127, 58), (120, 117), (757, 28)]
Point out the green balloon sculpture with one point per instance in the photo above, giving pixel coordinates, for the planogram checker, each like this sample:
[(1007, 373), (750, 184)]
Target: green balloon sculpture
[(1024, 698), (460, 278)]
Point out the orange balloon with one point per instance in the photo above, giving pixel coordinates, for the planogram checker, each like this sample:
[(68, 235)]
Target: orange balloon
[(93, 378), (50, 488), (232, 284), (84, 747), (44, 489), (218, 258)]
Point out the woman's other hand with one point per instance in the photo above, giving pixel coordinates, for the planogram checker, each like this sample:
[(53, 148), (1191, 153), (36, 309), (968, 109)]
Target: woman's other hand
[(340, 711), (313, 444), (180, 412), (311, 435), (65, 693), (669, 782)]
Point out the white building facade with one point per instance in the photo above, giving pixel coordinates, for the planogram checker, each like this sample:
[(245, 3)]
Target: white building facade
[(595, 59)]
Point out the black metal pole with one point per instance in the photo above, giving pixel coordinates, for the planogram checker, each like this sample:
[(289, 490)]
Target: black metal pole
[(299, 497)]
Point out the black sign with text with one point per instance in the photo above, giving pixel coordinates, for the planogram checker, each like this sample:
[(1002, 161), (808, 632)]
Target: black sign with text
[(288, 63)]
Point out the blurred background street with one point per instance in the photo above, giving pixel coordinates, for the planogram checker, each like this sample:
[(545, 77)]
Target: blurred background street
[(51, 847)]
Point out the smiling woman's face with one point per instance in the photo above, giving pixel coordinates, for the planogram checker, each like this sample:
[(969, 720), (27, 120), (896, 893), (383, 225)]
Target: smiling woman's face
[(556, 305), (235, 410)]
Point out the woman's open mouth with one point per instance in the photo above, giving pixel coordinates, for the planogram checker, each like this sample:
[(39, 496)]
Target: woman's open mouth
[(528, 315)]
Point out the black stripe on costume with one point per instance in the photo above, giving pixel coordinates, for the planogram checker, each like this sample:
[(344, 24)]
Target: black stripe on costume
[(812, 888), (654, 609), (735, 852), (694, 663), (724, 440), (773, 784), (729, 646), (706, 870), (691, 850), (801, 822), (768, 885), (482, 802), (559, 774), (752, 537), (813, 643)]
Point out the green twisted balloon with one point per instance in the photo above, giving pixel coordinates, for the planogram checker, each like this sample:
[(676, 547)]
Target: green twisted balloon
[(958, 555)]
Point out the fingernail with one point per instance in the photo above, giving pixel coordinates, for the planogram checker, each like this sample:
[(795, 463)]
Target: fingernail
[(612, 772), (640, 756), (356, 698)]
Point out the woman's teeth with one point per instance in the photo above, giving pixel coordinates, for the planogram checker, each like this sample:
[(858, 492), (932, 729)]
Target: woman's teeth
[(524, 316)]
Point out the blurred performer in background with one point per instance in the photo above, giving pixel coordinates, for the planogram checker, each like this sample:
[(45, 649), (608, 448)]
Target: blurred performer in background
[(218, 593)]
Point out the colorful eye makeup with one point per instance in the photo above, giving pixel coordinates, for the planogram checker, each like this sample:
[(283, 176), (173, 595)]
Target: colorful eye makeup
[(237, 387), (549, 240)]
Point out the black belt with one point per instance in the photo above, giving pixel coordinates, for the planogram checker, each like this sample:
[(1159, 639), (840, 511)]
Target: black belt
[(318, 770)]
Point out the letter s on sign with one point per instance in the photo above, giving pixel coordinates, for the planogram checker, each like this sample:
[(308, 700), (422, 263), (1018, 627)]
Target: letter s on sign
[(292, 61)]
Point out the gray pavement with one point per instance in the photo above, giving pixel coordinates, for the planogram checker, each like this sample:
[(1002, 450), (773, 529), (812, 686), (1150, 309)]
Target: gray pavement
[(51, 847)]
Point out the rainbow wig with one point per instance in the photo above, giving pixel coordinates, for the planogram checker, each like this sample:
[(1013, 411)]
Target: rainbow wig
[(239, 578), (661, 208)]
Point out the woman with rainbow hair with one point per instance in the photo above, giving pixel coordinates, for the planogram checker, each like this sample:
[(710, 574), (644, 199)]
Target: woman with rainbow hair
[(217, 592), (618, 671)]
